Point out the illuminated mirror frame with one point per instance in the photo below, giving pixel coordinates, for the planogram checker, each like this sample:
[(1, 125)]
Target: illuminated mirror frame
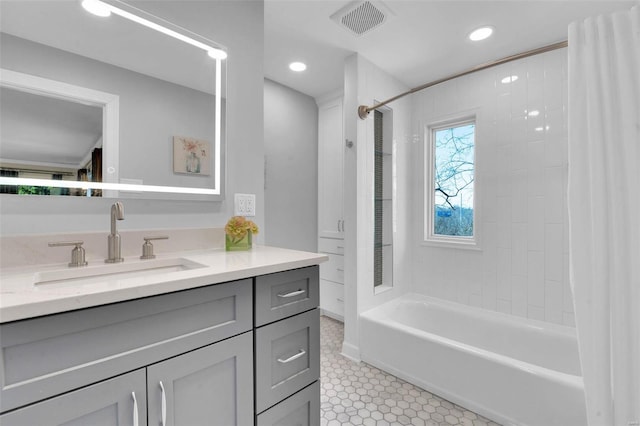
[(110, 105)]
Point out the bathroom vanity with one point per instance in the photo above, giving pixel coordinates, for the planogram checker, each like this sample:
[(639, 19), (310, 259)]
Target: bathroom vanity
[(233, 341)]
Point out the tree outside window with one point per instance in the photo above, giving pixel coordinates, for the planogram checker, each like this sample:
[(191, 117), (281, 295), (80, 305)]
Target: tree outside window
[(453, 176)]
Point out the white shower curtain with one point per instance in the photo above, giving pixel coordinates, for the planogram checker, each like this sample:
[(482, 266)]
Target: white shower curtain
[(604, 211)]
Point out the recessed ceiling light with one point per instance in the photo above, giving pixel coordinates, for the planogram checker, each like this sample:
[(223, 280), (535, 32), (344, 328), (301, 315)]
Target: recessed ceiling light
[(297, 66), (480, 33), (509, 79)]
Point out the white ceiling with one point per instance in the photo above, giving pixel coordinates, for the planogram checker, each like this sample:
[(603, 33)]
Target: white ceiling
[(423, 41)]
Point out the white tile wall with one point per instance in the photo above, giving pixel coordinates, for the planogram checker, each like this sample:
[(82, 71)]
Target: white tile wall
[(521, 174)]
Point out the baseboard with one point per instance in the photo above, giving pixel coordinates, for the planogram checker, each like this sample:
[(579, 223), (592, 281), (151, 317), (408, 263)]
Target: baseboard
[(350, 351)]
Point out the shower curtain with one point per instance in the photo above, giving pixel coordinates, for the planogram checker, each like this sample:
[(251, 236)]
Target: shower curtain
[(604, 211)]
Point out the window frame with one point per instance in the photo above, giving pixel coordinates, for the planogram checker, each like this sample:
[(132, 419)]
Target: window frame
[(430, 237)]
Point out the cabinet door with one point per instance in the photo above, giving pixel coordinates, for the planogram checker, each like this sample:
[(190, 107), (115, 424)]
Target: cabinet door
[(209, 386), (120, 401), (330, 169)]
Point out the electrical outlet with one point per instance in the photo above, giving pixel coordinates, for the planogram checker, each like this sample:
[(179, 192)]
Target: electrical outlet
[(244, 204)]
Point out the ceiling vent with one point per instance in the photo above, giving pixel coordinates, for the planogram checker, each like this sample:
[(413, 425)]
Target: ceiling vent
[(360, 17)]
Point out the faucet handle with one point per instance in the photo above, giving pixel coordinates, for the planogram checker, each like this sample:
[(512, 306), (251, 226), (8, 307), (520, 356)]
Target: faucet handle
[(147, 247), (77, 254)]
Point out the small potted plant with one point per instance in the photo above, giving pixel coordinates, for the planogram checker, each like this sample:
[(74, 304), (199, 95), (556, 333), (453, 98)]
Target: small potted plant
[(238, 233)]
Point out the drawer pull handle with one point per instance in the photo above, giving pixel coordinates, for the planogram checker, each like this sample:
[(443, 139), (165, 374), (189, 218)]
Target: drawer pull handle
[(291, 294), (300, 353), (339, 247), (340, 269), (135, 409), (164, 404), (339, 299)]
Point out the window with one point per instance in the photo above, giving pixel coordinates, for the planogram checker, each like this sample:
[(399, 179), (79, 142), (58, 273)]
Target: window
[(450, 183)]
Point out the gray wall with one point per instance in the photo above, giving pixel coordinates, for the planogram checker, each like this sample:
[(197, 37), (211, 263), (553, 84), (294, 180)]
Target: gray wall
[(291, 155), (238, 25)]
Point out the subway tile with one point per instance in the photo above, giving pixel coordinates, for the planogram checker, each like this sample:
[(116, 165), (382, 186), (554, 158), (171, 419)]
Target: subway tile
[(519, 249), (503, 106), (503, 231), (535, 225), (554, 151), (475, 300), (553, 302), (535, 67), (519, 204), (535, 312), (553, 98), (554, 206), (519, 89), (504, 306), (519, 295), (535, 163), (504, 280), (503, 131), (553, 256), (535, 278), (555, 123), (504, 209), (489, 299), (535, 94), (569, 319)]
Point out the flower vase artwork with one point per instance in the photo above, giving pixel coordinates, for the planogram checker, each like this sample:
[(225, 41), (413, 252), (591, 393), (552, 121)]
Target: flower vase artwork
[(191, 156), (239, 233)]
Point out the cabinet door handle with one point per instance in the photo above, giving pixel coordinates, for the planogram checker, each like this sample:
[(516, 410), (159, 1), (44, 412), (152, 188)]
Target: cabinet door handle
[(339, 225), (164, 404), (135, 409), (291, 294), (300, 353)]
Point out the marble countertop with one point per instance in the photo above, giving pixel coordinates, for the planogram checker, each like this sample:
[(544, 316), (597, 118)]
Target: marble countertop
[(21, 297)]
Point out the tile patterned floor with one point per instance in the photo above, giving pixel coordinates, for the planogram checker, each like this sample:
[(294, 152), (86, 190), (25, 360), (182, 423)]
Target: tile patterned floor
[(359, 394)]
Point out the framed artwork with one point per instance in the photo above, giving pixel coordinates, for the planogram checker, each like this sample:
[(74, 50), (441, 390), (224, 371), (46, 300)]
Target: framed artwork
[(191, 156)]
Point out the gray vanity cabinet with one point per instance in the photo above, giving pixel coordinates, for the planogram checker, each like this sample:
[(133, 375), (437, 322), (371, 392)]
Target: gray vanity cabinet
[(119, 401), (287, 339), (210, 386), (175, 359)]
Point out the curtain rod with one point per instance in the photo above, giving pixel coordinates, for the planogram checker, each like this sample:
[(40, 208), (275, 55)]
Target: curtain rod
[(363, 110)]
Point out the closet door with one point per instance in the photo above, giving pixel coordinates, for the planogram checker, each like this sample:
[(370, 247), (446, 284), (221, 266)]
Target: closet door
[(330, 169), (209, 386)]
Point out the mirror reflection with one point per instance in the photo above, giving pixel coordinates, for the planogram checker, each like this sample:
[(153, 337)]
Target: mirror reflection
[(165, 130), (48, 138)]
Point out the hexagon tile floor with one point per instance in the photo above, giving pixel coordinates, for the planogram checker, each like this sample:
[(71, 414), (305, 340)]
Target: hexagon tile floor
[(360, 394)]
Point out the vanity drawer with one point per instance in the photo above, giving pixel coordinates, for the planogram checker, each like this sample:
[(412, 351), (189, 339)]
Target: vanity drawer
[(331, 245), (287, 358), (46, 356), (333, 270), (332, 299), (283, 294), (302, 409)]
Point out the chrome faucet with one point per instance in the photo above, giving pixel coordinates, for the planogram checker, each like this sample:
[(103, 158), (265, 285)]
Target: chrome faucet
[(117, 213)]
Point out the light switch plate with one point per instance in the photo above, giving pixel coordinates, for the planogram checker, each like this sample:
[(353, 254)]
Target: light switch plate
[(244, 204)]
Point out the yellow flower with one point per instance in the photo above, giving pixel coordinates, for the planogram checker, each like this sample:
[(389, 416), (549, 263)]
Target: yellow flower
[(237, 227)]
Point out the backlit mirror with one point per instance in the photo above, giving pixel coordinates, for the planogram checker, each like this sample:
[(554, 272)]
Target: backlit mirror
[(116, 107)]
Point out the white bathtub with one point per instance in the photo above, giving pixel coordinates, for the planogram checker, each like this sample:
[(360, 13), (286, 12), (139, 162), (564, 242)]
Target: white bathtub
[(509, 369)]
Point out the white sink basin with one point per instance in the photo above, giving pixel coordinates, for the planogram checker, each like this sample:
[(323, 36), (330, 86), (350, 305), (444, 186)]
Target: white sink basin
[(117, 271)]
